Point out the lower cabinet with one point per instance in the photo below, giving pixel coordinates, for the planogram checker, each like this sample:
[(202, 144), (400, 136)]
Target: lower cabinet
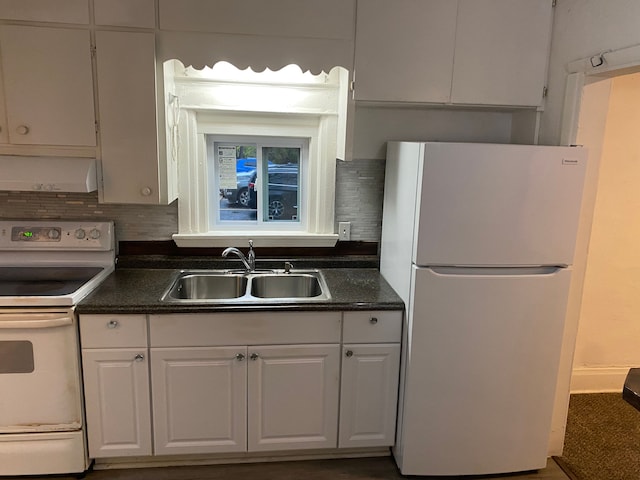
[(116, 385), (319, 381), (233, 399)]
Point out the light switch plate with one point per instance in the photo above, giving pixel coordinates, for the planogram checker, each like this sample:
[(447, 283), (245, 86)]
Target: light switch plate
[(344, 231)]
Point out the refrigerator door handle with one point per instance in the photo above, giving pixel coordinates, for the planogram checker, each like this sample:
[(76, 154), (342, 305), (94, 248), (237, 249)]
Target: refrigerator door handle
[(496, 271)]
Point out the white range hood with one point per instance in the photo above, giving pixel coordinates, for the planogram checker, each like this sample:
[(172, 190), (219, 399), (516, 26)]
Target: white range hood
[(48, 174)]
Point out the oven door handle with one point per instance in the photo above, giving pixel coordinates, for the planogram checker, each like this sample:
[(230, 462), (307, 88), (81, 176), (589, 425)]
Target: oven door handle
[(33, 321)]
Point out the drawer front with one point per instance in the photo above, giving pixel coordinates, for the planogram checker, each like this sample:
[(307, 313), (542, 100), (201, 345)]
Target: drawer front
[(372, 327), (112, 331), (254, 328)]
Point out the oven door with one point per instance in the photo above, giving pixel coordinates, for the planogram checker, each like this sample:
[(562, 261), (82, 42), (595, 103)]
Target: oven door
[(39, 371)]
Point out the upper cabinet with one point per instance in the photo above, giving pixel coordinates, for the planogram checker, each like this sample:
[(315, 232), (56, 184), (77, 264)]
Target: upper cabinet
[(125, 13), (404, 50), (48, 87), (502, 49), (134, 167), (473, 52), (60, 11)]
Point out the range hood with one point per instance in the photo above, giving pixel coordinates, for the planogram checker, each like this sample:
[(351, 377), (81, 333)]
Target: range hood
[(48, 174)]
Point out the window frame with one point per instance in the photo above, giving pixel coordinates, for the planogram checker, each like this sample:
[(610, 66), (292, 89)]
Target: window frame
[(315, 109), (260, 142)]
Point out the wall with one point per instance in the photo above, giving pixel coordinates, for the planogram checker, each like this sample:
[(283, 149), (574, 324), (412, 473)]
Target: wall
[(608, 331), (583, 28), (359, 183)]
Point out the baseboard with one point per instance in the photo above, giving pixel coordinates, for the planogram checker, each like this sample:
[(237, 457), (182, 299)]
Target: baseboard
[(598, 379)]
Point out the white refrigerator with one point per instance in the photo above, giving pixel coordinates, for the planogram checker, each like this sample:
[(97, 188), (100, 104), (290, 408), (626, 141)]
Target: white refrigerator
[(478, 240)]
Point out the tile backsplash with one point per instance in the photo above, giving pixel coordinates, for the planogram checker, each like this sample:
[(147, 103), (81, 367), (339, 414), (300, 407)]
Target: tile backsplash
[(359, 187)]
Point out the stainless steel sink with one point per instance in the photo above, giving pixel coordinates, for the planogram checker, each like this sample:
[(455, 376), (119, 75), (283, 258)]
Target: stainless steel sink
[(258, 287), (208, 286), (286, 285)]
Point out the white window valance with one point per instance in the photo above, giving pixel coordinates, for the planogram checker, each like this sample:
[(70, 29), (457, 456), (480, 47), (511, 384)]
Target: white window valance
[(258, 52)]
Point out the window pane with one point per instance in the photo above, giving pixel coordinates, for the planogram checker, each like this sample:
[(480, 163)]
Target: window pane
[(236, 170), (281, 195)]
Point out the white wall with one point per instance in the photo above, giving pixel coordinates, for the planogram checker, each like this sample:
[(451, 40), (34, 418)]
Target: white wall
[(583, 28), (608, 331)]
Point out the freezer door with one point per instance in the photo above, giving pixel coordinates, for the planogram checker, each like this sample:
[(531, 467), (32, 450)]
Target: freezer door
[(480, 371), (487, 204)]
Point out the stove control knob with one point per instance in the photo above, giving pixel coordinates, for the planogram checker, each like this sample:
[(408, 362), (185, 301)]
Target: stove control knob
[(94, 234), (80, 234), (53, 234)]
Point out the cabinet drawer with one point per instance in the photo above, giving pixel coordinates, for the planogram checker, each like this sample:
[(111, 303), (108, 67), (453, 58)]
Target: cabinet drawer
[(372, 327), (255, 328), (105, 331)]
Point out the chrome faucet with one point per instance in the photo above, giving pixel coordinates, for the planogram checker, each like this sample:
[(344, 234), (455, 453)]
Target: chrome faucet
[(249, 261)]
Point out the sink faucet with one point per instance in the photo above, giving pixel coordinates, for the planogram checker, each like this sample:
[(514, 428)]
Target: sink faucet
[(249, 261)]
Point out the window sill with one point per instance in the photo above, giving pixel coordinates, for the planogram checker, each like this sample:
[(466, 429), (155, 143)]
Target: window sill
[(260, 239)]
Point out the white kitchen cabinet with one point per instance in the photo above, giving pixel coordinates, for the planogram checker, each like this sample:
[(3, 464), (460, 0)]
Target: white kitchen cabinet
[(293, 397), (404, 50), (502, 50), (116, 385), (475, 52), (48, 87), (62, 11), (125, 13), (369, 378), (236, 399), (200, 399), (134, 168)]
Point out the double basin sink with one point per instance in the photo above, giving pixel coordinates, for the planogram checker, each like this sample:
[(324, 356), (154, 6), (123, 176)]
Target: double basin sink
[(270, 286)]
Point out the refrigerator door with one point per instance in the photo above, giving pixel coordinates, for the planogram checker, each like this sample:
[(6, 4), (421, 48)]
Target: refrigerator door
[(480, 369), (488, 204)]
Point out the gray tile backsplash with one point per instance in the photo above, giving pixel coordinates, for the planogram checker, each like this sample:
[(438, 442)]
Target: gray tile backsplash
[(359, 186)]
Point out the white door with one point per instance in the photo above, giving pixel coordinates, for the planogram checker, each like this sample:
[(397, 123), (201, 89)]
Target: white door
[(48, 84), (369, 395), (199, 399), (39, 373), (293, 397), (488, 204), (482, 360), (116, 388)]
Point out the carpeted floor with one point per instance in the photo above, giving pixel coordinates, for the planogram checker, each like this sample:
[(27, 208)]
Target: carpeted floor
[(603, 438)]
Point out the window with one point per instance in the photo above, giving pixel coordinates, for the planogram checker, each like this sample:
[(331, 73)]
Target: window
[(260, 181), (256, 154)]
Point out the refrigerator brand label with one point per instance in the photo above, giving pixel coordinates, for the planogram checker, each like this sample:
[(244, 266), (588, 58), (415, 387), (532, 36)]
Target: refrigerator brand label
[(570, 161)]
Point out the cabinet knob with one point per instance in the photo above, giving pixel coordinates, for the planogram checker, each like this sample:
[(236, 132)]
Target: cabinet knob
[(240, 356), (373, 320), (145, 192), (254, 356), (139, 357), (112, 324), (349, 353), (22, 129)]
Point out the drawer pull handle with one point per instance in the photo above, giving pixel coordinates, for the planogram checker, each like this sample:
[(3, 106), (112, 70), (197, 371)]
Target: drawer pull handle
[(240, 356), (254, 356), (373, 320), (349, 353), (139, 357), (112, 324)]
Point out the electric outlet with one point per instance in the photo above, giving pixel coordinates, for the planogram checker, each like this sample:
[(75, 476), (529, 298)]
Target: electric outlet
[(344, 231)]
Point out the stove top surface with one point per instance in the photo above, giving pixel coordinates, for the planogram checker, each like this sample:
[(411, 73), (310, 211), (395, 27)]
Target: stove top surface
[(44, 281)]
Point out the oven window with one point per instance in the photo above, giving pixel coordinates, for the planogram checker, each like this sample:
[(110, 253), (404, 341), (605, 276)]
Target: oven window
[(16, 356)]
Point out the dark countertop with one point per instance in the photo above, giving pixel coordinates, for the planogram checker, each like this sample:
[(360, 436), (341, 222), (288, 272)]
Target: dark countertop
[(138, 290)]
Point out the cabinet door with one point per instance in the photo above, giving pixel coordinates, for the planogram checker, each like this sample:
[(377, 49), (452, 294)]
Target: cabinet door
[(369, 395), (293, 397), (116, 389), (404, 50), (126, 73), (501, 54), (199, 399), (48, 86)]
